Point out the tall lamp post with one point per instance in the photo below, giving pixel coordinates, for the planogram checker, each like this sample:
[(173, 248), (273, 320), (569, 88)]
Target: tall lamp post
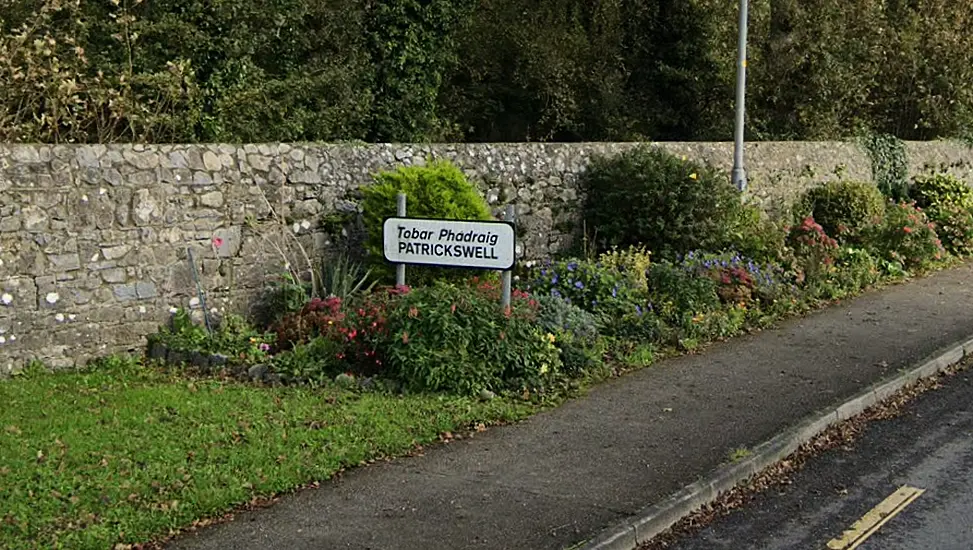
[(739, 173)]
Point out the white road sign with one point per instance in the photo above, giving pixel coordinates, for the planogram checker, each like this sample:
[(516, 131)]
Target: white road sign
[(478, 245)]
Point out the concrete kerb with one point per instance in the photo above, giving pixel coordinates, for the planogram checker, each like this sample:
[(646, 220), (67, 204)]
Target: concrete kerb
[(655, 519)]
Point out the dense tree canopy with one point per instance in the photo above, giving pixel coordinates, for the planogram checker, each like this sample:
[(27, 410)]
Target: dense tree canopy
[(479, 70)]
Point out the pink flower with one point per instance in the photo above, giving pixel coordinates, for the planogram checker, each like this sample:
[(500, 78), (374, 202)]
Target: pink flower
[(264, 347), (217, 242)]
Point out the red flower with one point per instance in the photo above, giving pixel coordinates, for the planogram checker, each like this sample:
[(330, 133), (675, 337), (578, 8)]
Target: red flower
[(452, 308), (907, 229), (217, 242)]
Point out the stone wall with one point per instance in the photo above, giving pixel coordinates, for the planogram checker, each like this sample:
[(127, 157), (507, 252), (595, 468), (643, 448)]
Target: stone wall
[(94, 239)]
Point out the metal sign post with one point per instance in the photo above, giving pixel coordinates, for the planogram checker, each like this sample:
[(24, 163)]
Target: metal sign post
[(507, 277), (400, 268)]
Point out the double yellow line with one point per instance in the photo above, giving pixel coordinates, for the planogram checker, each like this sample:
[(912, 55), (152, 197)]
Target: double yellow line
[(875, 518)]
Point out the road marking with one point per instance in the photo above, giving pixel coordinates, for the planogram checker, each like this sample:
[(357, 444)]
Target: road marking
[(875, 518)]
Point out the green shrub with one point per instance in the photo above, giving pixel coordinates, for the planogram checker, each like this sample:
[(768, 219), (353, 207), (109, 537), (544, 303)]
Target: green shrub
[(581, 348), (314, 362), (855, 269), (647, 196), (634, 262), (459, 339), (675, 290), (948, 202), (933, 191), (639, 326), (580, 357), (739, 279), (844, 209), (954, 225), (907, 237), (814, 250), (558, 315), (357, 326), (437, 190), (755, 235), (232, 336), (603, 290)]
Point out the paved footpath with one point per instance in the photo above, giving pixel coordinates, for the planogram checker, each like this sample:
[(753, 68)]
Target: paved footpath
[(562, 476)]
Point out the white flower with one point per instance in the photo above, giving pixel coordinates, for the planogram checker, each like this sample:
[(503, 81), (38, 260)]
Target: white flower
[(7, 299), (52, 297), (59, 317), (173, 310)]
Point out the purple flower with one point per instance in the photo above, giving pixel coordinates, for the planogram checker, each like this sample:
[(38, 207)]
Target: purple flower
[(572, 266), (638, 309), (554, 279), (555, 293), (579, 285), (264, 347), (615, 292)]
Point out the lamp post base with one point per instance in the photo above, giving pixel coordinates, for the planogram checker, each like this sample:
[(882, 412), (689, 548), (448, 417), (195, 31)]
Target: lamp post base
[(739, 178)]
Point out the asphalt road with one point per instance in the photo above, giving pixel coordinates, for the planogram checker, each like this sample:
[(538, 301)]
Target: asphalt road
[(926, 451)]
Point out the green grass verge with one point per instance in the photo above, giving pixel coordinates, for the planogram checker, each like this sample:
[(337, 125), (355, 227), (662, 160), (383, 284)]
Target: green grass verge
[(125, 453)]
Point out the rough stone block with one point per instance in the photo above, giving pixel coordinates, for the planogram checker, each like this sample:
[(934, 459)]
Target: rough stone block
[(115, 252), (213, 199), (211, 161), (146, 290), (35, 219), (65, 262), (10, 223), (146, 209), (114, 275), (125, 293)]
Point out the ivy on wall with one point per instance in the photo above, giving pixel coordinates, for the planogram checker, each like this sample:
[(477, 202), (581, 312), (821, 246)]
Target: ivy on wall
[(890, 165)]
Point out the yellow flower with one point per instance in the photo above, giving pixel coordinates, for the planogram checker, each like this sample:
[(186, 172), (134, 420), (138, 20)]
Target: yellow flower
[(544, 368), (550, 337), (693, 176)]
